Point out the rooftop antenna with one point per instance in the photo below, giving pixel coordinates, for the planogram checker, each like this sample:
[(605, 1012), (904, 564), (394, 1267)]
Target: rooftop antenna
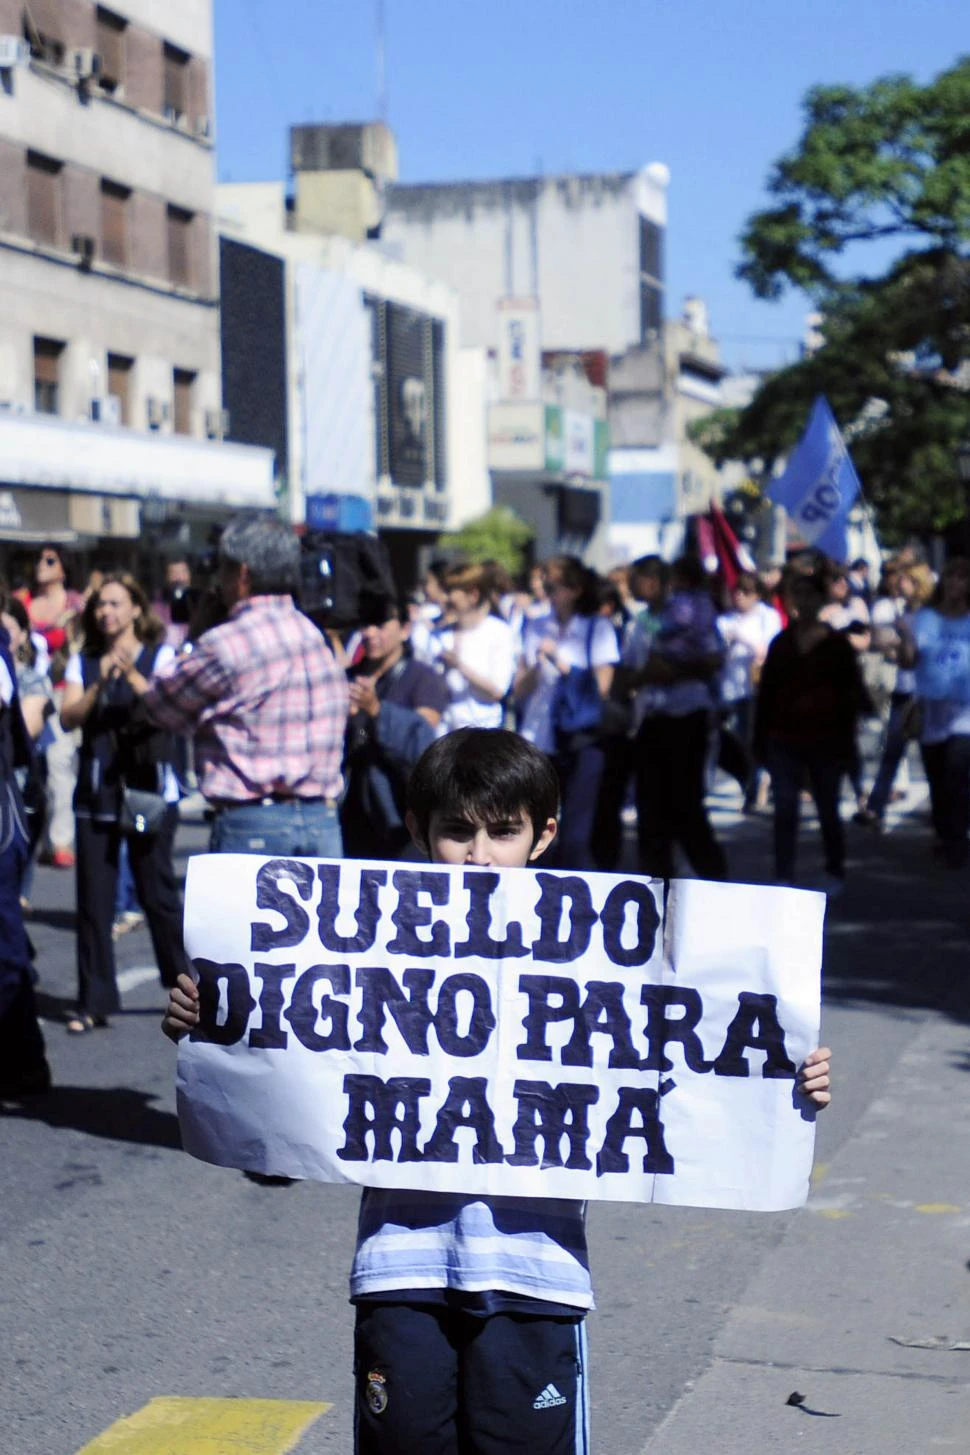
[(381, 64)]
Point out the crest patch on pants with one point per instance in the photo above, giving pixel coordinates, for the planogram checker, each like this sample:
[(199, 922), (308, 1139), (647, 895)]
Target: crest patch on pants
[(375, 1392)]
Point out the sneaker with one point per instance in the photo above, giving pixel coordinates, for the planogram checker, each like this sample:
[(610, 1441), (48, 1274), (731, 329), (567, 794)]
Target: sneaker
[(63, 858), (132, 919)]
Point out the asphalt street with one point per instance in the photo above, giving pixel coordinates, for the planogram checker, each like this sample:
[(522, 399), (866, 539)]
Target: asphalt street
[(128, 1271)]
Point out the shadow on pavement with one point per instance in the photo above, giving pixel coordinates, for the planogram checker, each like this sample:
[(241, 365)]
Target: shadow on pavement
[(119, 1113), (900, 936), (53, 919)]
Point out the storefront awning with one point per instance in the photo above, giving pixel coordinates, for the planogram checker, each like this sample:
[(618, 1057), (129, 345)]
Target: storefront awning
[(55, 454)]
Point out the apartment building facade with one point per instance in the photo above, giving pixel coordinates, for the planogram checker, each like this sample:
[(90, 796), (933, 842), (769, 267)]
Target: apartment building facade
[(111, 413)]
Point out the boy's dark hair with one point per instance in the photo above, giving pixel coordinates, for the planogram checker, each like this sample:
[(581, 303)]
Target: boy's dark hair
[(488, 774)]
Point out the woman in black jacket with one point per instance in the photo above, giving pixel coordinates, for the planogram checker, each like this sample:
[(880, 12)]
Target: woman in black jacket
[(809, 701), (120, 749)]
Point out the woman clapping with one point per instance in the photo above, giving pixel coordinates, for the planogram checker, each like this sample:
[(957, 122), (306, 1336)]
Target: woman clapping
[(119, 750)]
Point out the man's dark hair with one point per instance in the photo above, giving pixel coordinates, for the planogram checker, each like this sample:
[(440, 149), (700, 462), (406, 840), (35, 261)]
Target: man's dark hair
[(689, 573), (268, 548), (487, 774)]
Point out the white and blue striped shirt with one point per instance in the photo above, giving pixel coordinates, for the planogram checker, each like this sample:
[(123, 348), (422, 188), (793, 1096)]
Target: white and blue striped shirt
[(433, 1240)]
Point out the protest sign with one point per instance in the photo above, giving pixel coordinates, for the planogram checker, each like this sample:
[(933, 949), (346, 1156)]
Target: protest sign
[(501, 1032)]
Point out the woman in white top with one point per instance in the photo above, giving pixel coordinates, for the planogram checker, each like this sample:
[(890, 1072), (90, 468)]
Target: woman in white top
[(748, 632), (570, 639), (476, 652), (123, 648)]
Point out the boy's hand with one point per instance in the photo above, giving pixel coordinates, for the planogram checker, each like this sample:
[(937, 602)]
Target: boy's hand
[(182, 1012), (814, 1079)]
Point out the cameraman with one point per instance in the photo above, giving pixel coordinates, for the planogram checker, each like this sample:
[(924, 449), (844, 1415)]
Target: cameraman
[(265, 701), (178, 602)]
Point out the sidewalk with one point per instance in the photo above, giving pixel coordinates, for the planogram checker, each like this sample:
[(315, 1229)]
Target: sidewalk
[(858, 1308)]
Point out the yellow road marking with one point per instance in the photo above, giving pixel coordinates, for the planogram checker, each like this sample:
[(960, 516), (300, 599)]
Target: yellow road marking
[(209, 1427), (938, 1207), (834, 1214)]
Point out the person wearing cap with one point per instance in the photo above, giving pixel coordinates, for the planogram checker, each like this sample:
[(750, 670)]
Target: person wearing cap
[(396, 704)]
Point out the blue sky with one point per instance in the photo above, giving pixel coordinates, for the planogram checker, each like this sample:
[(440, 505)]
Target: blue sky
[(509, 87)]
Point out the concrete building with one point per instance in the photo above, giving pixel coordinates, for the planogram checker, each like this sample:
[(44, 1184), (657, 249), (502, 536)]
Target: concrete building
[(589, 248), (111, 418), (361, 387), (658, 476), (561, 269)]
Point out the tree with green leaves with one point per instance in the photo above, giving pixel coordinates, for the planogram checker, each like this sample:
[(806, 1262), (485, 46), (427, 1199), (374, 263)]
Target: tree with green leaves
[(881, 172), (498, 535)]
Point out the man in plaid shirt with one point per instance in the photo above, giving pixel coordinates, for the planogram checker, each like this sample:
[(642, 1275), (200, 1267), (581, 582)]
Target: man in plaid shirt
[(266, 703)]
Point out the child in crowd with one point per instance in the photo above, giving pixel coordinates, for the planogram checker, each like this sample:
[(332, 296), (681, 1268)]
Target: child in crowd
[(470, 1311)]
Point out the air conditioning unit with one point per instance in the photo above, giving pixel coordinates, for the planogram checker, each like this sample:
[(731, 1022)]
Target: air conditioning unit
[(158, 411), (85, 65), (13, 52), (83, 245), (216, 423), (202, 127), (106, 410)]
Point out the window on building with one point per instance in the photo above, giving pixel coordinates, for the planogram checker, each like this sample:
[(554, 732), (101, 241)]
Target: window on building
[(176, 89), (119, 384), (47, 375), (651, 279), (183, 390), (110, 44), (42, 32), (44, 199), (180, 246), (439, 405), (114, 223)]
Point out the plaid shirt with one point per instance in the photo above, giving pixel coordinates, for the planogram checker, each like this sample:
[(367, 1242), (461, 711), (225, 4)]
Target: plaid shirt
[(265, 701)]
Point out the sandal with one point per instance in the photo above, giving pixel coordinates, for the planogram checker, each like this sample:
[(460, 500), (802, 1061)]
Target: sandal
[(80, 1023)]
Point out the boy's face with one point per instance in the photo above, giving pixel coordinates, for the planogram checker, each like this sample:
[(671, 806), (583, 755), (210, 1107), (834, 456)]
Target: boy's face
[(510, 843)]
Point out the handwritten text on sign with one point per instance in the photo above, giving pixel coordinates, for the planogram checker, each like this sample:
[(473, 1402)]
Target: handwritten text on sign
[(501, 1032)]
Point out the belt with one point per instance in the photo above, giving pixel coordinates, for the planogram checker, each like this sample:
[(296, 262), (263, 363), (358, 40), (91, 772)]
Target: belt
[(221, 805)]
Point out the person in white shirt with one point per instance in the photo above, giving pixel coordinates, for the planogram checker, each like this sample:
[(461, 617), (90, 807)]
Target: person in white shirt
[(748, 631), (476, 653), (570, 640)]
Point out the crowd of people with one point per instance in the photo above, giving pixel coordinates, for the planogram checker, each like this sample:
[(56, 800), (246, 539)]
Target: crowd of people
[(638, 687)]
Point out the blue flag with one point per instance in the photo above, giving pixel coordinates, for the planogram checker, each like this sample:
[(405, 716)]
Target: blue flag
[(820, 484)]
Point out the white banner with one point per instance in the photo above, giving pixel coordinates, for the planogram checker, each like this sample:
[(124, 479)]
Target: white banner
[(516, 1032)]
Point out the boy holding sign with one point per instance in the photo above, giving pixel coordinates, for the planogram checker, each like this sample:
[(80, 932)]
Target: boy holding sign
[(470, 1310)]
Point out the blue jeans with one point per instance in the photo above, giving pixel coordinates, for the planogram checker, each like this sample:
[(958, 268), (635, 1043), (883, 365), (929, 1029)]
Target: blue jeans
[(296, 828), (893, 753), (126, 899), (580, 772)]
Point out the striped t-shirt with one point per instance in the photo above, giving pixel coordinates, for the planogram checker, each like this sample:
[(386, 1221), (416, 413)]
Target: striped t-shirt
[(434, 1240)]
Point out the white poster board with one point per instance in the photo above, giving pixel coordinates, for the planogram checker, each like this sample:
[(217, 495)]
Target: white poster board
[(516, 1032)]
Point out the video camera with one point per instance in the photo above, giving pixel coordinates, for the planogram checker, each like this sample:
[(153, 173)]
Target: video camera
[(340, 573)]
